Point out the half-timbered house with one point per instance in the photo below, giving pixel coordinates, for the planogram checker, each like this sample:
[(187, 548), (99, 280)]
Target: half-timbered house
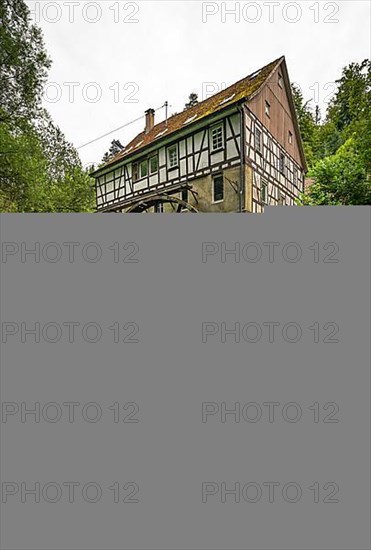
[(236, 151)]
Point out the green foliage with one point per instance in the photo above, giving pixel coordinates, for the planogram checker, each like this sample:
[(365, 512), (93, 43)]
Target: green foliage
[(307, 124), (339, 179), (326, 140), (39, 170), (23, 60), (352, 100), (339, 150), (38, 174), (304, 114), (362, 138)]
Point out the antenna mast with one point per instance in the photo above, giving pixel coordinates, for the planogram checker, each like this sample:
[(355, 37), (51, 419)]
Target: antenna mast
[(166, 107)]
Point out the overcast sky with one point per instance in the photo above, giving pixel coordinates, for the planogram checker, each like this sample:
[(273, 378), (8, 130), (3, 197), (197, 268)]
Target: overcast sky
[(124, 57)]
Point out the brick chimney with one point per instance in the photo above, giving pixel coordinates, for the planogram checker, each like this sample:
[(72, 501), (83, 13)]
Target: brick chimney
[(150, 120)]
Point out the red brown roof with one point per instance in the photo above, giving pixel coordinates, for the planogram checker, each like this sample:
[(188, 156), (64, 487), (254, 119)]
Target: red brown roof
[(241, 90)]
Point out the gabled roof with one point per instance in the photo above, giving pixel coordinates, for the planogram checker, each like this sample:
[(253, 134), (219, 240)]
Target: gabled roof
[(241, 90)]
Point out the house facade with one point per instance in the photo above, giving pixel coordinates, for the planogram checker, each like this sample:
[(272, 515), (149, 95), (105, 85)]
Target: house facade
[(237, 151)]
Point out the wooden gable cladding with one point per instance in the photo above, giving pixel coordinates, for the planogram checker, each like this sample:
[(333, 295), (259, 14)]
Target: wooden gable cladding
[(281, 121)]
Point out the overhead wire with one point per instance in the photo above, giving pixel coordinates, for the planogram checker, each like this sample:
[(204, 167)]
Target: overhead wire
[(116, 129)]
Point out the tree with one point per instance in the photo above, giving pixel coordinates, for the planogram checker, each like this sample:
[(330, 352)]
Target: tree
[(306, 122), (341, 147), (326, 141), (36, 176), (23, 62), (115, 148), (352, 100), (22, 164), (192, 100), (39, 170), (339, 179), (362, 139), (304, 114), (317, 115)]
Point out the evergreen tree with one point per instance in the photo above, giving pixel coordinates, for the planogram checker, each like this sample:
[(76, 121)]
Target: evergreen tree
[(115, 148), (192, 100)]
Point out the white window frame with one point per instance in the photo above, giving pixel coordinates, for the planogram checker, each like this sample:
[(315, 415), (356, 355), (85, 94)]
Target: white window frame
[(291, 137), (173, 163), (280, 80), (267, 108), (218, 144)]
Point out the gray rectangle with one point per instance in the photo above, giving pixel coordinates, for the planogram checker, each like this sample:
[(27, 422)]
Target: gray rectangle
[(186, 381)]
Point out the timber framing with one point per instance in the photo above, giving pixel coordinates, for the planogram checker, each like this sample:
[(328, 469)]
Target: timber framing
[(225, 132)]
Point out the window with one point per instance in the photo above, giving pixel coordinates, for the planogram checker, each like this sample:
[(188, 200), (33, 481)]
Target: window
[(153, 164), (295, 176), (218, 188), (217, 140), (135, 171), (258, 140), (172, 154), (185, 195), (139, 170), (282, 163), (267, 108), (280, 80), (159, 207), (264, 192), (281, 199), (290, 137), (143, 168)]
